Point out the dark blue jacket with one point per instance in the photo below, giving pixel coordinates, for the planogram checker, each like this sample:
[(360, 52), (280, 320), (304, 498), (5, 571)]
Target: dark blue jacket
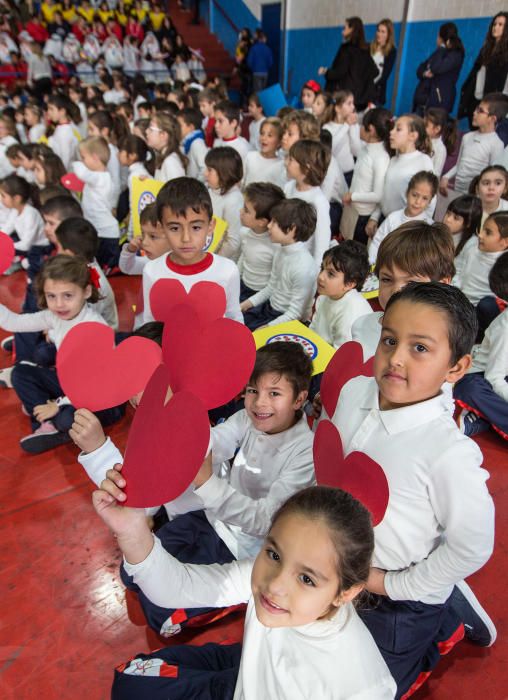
[(440, 90), (260, 57)]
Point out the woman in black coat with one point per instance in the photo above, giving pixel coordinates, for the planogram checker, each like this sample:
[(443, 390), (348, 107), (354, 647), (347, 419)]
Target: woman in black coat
[(384, 53), (353, 68), (439, 73), (490, 70)]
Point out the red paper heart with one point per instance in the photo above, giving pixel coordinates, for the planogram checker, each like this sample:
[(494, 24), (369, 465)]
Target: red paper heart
[(346, 363), (72, 182), (213, 361), (357, 474), (95, 374), (208, 300), (6, 252), (166, 446)]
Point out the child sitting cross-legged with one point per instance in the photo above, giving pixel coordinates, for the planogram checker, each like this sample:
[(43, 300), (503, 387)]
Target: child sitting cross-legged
[(288, 294)]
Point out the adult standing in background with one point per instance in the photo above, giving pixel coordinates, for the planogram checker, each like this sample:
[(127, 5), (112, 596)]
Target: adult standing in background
[(384, 53), (259, 60), (353, 67), (439, 73), (39, 73), (490, 70)]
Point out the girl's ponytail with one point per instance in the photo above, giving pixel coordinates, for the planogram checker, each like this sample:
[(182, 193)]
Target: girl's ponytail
[(134, 145)]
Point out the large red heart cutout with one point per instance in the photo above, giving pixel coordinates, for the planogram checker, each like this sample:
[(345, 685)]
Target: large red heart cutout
[(6, 252), (213, 361), (166, 446), (72, 182), (95, 374), (357, 474), (208, 300), (346, 364)]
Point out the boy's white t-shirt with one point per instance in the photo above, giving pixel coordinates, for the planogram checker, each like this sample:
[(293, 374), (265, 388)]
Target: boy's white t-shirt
[(98, 200), (491, 357), (256, 258), (319, 242), (334, 318)]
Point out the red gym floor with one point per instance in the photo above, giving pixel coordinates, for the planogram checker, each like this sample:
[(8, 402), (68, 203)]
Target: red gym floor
[(65, 621)]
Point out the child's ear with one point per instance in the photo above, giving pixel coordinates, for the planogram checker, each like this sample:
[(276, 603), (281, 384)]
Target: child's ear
[(211, 226), (446, 280), (300, 399), (348, 595), (459, 369), (88, 291)]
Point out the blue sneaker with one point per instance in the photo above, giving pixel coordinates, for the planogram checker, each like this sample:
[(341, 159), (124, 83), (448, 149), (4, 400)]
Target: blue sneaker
[(470, 424), (478, 626)]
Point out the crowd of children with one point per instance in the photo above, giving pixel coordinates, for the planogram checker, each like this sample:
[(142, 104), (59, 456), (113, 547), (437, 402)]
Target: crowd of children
[(318, 203)]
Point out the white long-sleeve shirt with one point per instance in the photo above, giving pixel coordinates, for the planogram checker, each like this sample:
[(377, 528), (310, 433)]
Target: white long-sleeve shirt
[(114, 171), (254, 132), (5, 166), (36, 132), (171, 167), (334, 185), (98, 200), (439, 525), (29, 227), (105, 307), (368, 180), (227, 206), (64, 143), (291, 283), (491, 357), (474, 268), (319, 242), (257, 168), (336, 659), (476, 152), (256, 258), (346, 143), (241, 145), (366, 330), (196, 155), (131, 263), (213, 268), (400, 170), (438, 155), (392, 222), (333, 318)]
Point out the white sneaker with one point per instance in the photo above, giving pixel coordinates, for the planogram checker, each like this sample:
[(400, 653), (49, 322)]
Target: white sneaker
[(5, 378)]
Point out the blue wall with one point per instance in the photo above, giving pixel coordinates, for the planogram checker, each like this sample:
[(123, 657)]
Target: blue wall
[(239, 14)]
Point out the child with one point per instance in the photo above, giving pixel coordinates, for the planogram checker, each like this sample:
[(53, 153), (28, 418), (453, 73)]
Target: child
[(292, 584), (492, 190), (369, 174), (64, 141), (322, 107), (343, 273), (463, 218), (7, 138), (33, 119), (442, 131), (48, 169), (483, 392), (19, 155), (193, 142), (288, 294), (422, 188), (306, 168), (255, 109), (112, 130), (97, 201), (56, 210), (184, 209), (227, 126), (341, 121), (439, 525), (139, 159), (207, 99), (223, 174), (478, 148), (163, 135), (256, 248), (264, 165), (308, 95)]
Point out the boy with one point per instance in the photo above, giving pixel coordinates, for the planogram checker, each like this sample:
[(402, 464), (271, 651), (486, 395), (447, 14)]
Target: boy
[(98, 198), (256, 248), (288, 294), (272, 448), (184, 210), (439, 524), (193, 142), (478, 149), (343, 273), (207, 100), (227, 128), (257, 113), (483, 392), (56, 210)]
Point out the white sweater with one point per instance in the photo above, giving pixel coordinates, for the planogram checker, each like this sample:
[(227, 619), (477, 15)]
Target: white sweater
[(131, 263), (105, 307), (291, 283), (334, 318), (257, 168), (98, 200), (346, 144), (114, 171), (334, 185), (256, 258), (477, 151), (400, 170), (369, 178), (28, 225), (254, 132), (5, 166), (439, 155), (474, 269), (491, 357), (241, 145), (171, 167), (36, 132), (64, 143), (227, 206), (392, 222), (196, 155), (319, 242)]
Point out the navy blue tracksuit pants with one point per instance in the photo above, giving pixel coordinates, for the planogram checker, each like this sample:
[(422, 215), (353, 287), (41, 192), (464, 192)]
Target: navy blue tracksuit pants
[(474, 392)]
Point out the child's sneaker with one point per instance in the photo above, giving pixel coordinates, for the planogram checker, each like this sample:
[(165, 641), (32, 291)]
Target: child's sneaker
[(44, 438), (478, 626), (470, 424), (15, 267), (7, 344), (5, 378)]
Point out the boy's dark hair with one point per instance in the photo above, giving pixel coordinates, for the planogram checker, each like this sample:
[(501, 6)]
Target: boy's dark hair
[(79, 236), (498, 277), (424, 176), (229, 110), (146, 106), (313, 159), (285, 359), (192, 117), (263, 196), (208, 95), (254, 98), (152, 330), (64, 268), (496, 105), (297, 214), (63, 206), (149, 215), (228, 164), (461, 314), (500, 218), (351, 258), (421, 249), (184, 193), (469, 208)]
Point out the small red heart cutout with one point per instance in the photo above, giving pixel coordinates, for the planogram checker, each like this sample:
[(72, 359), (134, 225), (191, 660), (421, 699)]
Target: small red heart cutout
[(96, 374), (6, 252), (213, 361), (357, 474), (166, 446), (208, 300), (346, 363), (72, 182)]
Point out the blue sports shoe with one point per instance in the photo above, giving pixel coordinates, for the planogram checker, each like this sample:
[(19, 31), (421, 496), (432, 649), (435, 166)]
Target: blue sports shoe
[(478, 626), (470, 424)]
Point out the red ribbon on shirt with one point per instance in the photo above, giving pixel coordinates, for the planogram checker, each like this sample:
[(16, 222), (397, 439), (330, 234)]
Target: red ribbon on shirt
[(95, 279)]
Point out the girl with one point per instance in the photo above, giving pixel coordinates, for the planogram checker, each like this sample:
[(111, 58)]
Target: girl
[(412, 148), (257, 113), (76, 95), (163, 135), (223, 175), (310, 91), (442, 131), (64, 291), (7, 138), (463, 218), (113, 130), (264, 165), (300, 592), (65, 114), (48, 169), (342, 122), (139, 160), (33, 119), (384, 53), (492, 188), (369, 174), (323, 106)]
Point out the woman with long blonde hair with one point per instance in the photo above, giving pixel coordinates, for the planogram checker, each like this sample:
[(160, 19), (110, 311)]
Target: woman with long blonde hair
[(384, 53)]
